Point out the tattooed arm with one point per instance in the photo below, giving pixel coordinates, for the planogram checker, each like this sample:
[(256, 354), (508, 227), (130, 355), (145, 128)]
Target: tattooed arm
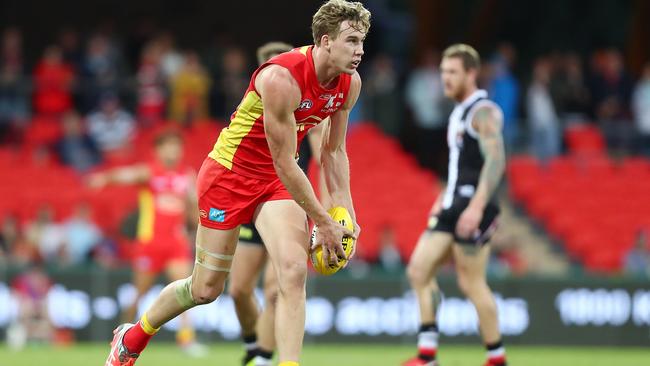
[(488, 122)]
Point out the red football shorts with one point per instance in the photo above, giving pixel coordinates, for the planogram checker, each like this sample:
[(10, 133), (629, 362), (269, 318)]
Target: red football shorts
[(228, 199), (154, 256)]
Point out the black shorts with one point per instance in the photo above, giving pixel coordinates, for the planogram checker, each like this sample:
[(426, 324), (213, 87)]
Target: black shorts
[(248, 234), (304, 155), (447, 219)]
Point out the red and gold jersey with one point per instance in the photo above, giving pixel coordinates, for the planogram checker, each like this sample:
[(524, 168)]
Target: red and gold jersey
[(242, 146), (163, 202)]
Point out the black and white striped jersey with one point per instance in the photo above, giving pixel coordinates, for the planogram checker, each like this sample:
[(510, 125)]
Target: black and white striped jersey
[(465, 158)]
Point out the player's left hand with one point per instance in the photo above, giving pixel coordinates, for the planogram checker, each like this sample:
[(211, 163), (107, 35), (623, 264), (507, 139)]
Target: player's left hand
[(468, 222)]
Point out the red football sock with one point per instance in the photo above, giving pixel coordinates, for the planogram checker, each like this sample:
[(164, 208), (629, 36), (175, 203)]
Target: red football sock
[(136, 339)]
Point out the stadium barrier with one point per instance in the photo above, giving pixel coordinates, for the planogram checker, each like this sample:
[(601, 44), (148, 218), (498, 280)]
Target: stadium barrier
[(583, 311)]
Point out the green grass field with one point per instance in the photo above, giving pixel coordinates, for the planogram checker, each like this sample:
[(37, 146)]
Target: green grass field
[(333, 355)]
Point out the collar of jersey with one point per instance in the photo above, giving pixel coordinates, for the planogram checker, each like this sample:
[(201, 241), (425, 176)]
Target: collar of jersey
[(479, 93)]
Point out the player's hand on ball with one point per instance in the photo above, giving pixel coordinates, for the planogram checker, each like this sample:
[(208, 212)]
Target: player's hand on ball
[(355, 236), (330, 235), (468, 222), (333, 242)]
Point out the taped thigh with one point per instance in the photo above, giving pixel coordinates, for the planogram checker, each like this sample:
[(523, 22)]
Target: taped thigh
[(213, 261)]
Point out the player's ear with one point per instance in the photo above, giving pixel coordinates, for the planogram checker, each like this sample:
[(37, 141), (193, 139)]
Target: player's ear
[(325, 41)]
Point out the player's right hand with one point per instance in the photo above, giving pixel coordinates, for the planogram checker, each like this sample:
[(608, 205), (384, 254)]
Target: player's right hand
[(330, 235)]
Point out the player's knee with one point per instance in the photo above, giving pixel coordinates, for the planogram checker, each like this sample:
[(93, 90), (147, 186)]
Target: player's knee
[(416, 275), (239, 293), (207, 292), (292, 277)]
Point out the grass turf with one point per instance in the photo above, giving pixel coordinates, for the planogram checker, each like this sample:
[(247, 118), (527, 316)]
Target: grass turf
[(162, 354)]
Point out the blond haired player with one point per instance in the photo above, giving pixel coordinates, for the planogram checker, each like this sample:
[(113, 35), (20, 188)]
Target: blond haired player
[(252, 175), (251, 257), (464, 217)]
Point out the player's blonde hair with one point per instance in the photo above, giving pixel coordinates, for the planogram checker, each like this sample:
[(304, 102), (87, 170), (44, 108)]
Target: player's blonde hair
[(467, 54), (270, 49), (330, 15)]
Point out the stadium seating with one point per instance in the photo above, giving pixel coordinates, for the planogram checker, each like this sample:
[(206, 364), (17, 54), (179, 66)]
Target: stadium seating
[(390, 190), (591, 204)]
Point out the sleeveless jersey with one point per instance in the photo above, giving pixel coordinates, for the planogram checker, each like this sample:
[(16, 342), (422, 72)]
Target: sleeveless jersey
[(465, 157), (162, 203), (242, 146)]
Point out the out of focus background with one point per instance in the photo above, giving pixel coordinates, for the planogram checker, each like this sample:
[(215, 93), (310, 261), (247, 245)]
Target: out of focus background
[(86, 86)]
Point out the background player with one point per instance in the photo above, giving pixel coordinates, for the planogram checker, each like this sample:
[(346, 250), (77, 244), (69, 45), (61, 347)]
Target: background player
[(464, 218), (252, 174), (165, 206)]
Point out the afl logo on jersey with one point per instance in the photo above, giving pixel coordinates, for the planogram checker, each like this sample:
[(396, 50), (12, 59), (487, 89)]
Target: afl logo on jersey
[(305, 105)]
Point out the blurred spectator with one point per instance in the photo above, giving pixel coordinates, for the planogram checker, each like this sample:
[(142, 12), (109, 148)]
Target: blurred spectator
[(81, 235), (426, 101), (53, 80), (234, 80), (641, 111), (101, 70), (8, 236), (190, 91), (171, 60), (76, 148), (46, 235), (70, 45), (389, 256), (503, 88), (382, 96), (611, 88), (14, 102), (33, 324), (11, 52), (151, 86), (569, 89), (16, 248), (111, 126), (542, 117), (106, 253), (637, 261)]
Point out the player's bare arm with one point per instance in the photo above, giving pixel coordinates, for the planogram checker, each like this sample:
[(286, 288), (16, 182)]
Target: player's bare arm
[(281, 97), (315, 137), (488, 123), (334, 157), (133, 174)]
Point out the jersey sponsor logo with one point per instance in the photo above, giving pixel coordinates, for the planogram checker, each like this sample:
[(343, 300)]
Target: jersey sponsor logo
[(217, 215), (330, 106), (305, 105)]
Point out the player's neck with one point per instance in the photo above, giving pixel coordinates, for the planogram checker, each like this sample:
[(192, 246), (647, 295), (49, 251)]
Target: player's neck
[(468, 93), (324, 73)]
